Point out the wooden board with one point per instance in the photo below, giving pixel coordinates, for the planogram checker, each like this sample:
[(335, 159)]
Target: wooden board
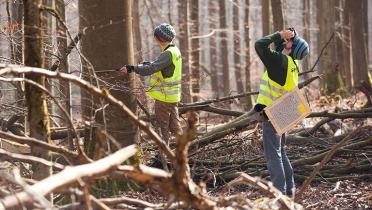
[(288, 110)]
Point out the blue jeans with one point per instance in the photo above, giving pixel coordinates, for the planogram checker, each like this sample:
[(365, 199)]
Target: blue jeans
[(280, 169)]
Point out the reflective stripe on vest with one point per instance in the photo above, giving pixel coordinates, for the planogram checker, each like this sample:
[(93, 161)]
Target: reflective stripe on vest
[(168, 89), (269, 90)]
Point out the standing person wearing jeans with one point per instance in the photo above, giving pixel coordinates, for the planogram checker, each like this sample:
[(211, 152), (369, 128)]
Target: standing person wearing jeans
[(165, 81), (280, 76)]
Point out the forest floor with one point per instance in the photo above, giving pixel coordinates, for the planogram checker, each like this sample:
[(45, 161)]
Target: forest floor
[(235, 152), (217, 163)]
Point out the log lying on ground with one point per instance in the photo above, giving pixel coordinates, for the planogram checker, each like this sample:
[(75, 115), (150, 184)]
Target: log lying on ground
[(230, 167), (68, 176), (240, 122), (198, 105), (327, 157)]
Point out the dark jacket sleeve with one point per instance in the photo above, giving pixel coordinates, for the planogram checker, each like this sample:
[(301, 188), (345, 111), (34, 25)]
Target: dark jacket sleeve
[(162, 63), (274, 61)]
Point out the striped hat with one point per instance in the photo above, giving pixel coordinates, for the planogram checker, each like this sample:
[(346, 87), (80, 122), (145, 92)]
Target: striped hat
[(165, 32), (300, 48)]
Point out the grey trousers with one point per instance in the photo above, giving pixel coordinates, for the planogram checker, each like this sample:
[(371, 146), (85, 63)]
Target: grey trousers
[(280, 169)]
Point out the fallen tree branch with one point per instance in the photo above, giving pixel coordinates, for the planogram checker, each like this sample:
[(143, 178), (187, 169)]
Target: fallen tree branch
[(8, 156), (208, 108), (327, 158), (129, 201), (218, 99), (197, 104), (70, 155), (267, 189), (69, 176)]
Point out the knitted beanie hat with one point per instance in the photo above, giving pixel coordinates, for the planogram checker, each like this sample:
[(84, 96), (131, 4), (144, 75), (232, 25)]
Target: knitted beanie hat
[(300, 48), (165, 32)]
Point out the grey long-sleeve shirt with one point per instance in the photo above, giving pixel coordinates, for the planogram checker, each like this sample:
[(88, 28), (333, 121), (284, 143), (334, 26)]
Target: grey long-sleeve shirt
[(162, 63)]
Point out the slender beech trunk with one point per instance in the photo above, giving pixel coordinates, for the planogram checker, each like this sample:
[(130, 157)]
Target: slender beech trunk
[(184, 47), (307, 26), (278, 18), (346, 47), (213, 14), (237, 50), (63, 65), (359, 47), (35, 99), (327, 63), (266, 23), (224, 47), (247, 56), (195, 46)]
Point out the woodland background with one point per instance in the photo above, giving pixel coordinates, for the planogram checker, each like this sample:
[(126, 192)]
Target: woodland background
[(77, 109)]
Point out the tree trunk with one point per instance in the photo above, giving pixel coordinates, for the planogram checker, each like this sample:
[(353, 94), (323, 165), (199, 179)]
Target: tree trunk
[(237, 51), (110, 47), (48, 40), (212, 12), (327, 63), (346, 47), (137, 31), (359, 47), (63, 63), (17, 16), (224, 47), (247, 57), (184, 47), (35, 99), (195, 52), (17, 19), (339, 59), (307, 18), (278, 18), (265, 7)]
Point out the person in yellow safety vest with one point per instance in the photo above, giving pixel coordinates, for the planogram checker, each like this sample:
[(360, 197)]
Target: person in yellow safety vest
[(280, 76), (165, 80)]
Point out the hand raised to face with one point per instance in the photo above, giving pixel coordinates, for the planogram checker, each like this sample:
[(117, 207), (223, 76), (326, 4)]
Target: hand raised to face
[(287, 35)]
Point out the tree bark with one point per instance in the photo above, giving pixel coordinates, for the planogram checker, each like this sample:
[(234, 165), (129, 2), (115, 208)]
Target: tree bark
[(63, 62), (195, 46), (278, 18), (224, 55), (212, 11), (110, 47), (339, 55), (307, 25), (346, 47), (184, 47), (35, 99), (265, 7), (327, 63), (247, 57), (237, 51), (359, 48), (137, 31)]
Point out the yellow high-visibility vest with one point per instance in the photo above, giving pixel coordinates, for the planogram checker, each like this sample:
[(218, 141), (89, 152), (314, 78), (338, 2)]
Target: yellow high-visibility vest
[(270, 90), (168, 89)]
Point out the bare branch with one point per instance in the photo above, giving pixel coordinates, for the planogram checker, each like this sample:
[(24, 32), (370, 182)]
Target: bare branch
[(69, 176)]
